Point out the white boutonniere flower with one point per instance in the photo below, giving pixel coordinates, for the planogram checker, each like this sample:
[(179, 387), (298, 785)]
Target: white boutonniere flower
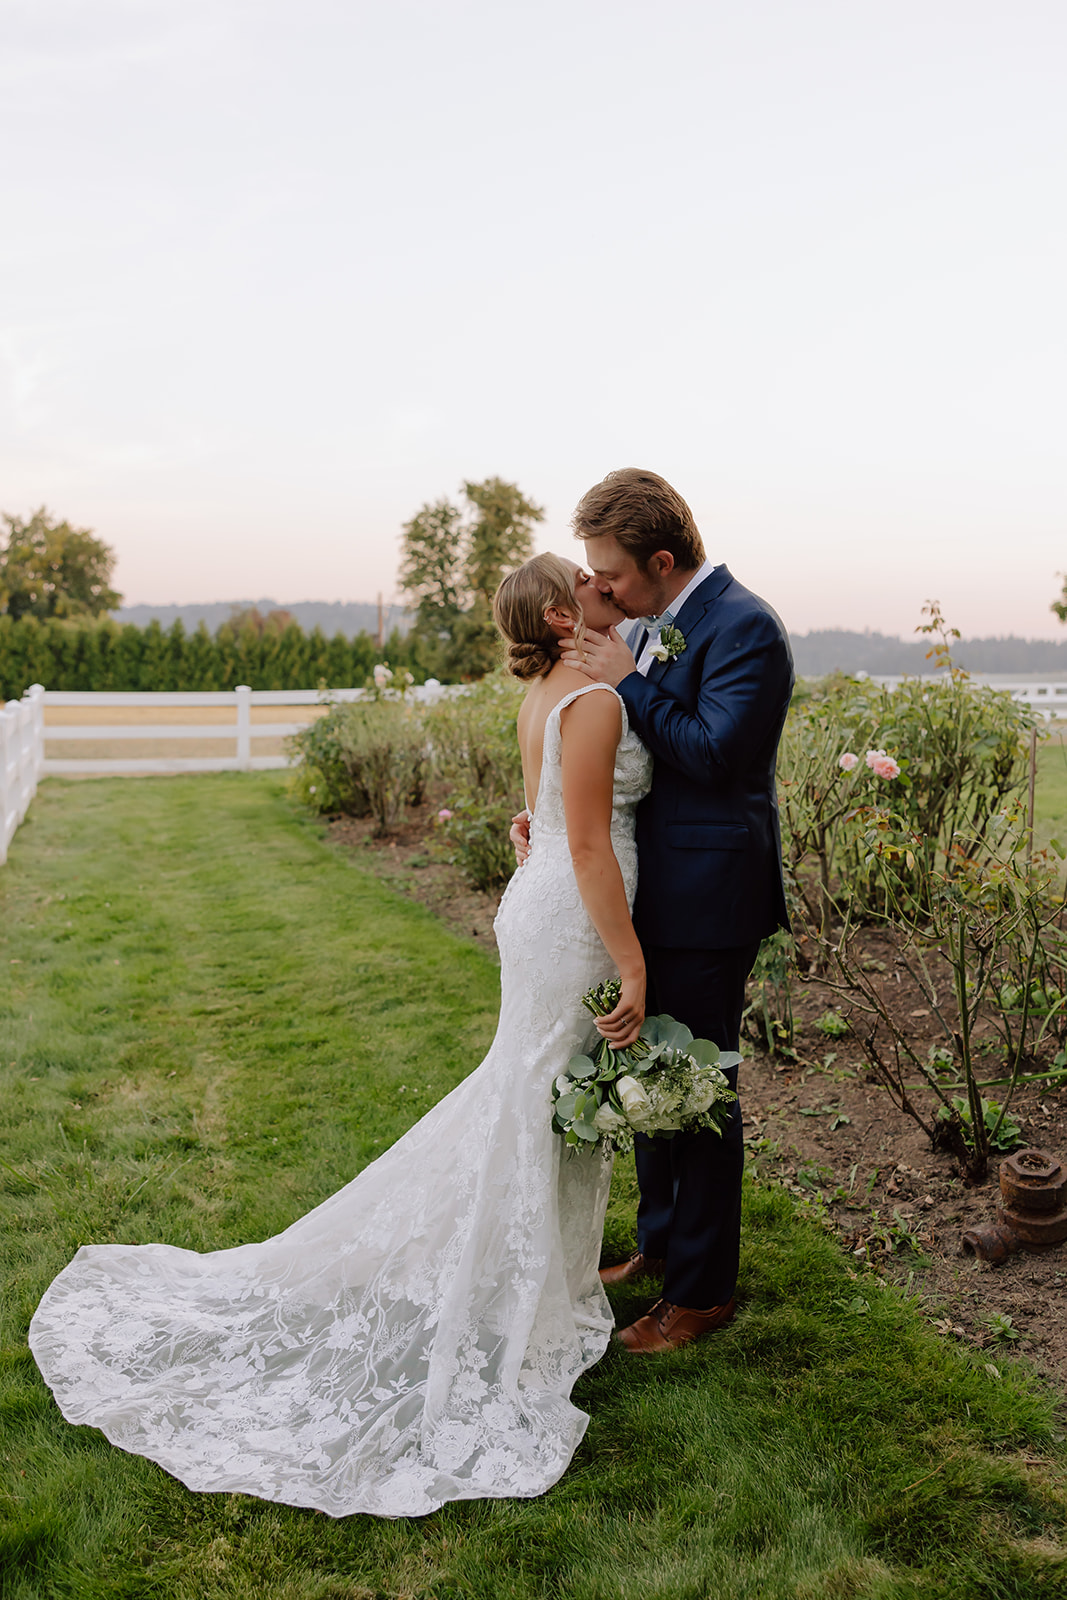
[(670, 643)]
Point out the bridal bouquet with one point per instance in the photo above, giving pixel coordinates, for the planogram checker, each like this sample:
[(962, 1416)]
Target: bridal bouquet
[(666, 1082)]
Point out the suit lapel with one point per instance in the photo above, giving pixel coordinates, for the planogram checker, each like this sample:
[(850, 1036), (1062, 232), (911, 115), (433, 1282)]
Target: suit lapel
[(691, 614)]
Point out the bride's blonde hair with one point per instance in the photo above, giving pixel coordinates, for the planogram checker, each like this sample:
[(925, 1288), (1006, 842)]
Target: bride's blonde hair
[(519, 607)]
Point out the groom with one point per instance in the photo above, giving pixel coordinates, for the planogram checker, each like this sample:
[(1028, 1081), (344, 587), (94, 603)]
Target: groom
[(705, 675)]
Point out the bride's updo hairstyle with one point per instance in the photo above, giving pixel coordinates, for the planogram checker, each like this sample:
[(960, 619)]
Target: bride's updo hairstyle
[(519, 607)]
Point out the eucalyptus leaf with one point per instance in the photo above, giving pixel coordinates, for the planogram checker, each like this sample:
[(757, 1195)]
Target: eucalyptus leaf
[(664, 1030), (705, 1053), (581, 1067)]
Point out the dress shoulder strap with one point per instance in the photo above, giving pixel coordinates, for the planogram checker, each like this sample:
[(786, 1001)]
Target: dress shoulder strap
[(576, 694)]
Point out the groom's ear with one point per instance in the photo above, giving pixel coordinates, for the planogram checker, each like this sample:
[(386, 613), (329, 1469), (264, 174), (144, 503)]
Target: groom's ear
[(660, 564)]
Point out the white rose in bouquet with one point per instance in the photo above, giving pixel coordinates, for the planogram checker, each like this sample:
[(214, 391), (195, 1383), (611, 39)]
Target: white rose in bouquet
[(635, 1101), (607, 1120)]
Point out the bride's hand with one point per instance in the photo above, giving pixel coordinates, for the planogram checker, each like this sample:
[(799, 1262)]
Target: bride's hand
[(623, 1025)]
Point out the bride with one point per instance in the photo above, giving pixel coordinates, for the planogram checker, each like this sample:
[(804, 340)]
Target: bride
[(415, 1338)]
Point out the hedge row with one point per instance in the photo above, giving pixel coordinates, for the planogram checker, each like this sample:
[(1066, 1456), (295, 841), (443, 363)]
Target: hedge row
[(105, 655)]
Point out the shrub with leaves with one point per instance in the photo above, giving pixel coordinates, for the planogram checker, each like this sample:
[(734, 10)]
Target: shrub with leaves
[(474, 743), (768, 1016), (367, 758), (946, 755), (986, 920), (475, 838), (476, 765)]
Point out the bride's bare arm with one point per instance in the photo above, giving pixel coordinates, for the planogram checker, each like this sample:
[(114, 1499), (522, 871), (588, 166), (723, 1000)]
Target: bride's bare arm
[(590, 729)]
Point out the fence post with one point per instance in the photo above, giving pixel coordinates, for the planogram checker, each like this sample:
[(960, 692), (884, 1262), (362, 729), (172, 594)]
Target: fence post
[(35, 695), (244, 726), (6, 727), (22, 788)]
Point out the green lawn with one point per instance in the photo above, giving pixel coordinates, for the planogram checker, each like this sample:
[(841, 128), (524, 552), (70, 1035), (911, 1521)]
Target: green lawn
[(1050, 799), (212, 1020)]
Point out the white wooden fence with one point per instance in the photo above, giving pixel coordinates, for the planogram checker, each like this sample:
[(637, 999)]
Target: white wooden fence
[(21, 760), (239, 732), (24, 729), (1049, 697)]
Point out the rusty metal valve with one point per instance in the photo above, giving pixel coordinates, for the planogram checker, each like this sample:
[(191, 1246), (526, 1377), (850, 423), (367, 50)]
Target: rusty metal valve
[(1032, 1211)]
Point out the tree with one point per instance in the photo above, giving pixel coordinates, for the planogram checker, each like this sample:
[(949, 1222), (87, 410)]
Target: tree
[(453, 561), (500, 536), (431, 570), (49, 569), (260, 622), (1060, 606)]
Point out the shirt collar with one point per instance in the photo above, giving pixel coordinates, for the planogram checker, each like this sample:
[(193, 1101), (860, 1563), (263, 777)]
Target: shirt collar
[(703, 571)]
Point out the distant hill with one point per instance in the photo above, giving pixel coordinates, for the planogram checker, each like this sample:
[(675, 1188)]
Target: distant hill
[(836, 650), (332, 616)]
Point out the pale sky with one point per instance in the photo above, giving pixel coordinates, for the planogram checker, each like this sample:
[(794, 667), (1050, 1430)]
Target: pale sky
[(275, 272)]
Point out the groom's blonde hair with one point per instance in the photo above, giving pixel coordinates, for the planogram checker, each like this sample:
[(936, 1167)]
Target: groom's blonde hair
[(519, 607), (643, 514)]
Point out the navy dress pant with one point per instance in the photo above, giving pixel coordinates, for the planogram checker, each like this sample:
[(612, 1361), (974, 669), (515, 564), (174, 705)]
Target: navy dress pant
[(690, 1209)]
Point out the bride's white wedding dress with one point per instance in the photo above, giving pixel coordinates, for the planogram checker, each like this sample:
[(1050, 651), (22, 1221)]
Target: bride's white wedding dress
[(415, 1338)]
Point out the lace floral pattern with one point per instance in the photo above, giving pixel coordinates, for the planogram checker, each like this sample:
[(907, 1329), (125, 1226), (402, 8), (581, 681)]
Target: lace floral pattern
[(415, 1338)]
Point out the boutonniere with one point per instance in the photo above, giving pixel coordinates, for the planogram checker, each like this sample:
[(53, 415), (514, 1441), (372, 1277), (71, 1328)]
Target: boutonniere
[(670, 643)]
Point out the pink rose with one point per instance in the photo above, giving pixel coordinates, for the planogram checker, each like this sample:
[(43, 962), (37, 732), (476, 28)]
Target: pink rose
[(848, 761), (885, 767), (872, 756), (444, 815)]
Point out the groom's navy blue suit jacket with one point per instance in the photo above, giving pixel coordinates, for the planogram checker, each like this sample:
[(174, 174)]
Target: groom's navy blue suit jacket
[(709, 849)]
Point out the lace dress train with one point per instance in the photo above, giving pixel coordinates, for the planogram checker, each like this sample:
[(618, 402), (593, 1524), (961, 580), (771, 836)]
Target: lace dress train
[(415, 1338)]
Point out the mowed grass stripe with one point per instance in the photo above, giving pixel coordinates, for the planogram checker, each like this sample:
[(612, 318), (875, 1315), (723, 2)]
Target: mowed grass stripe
[(197, 978), (216, 1026)]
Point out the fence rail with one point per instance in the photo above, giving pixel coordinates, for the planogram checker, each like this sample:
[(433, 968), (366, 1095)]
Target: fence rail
[(21, 760), (241, 731), (1049, 697)]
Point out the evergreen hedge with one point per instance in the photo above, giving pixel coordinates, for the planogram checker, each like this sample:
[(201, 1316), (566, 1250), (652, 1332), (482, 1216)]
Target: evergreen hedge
[(104, 655)]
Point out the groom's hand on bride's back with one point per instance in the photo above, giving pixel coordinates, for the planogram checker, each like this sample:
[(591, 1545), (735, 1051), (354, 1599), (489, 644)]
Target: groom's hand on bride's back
[(519, 835), (605, 658)]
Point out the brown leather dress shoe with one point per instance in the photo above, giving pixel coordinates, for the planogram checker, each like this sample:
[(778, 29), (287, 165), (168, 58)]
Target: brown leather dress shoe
[(667, 1327), (635, 1266)]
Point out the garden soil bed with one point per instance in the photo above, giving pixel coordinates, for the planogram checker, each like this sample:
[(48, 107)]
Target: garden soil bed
[(822, 1127)]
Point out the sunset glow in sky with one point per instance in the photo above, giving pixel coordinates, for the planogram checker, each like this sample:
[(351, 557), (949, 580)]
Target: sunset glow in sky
[(273, 274)]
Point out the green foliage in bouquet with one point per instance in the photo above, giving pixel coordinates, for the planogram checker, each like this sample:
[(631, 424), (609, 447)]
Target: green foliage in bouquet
[(666, 1082)]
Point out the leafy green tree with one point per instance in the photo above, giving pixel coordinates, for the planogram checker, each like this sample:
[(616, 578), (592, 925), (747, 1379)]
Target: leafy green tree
[(318, 658), (431, 569), (129, 654), (294, 659), (155, 658), (453, 560), (177, 644), (92, 664), (200, 663), (500, 534), (1060, 606), (49, 569)]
